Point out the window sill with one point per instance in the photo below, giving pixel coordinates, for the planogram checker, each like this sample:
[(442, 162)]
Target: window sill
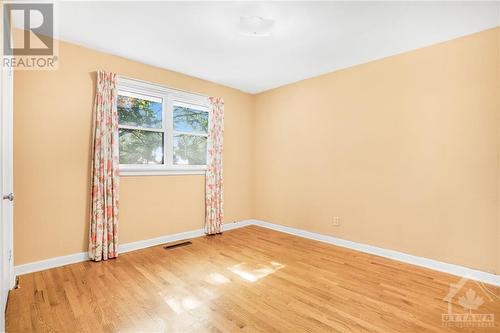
[(127, 170)]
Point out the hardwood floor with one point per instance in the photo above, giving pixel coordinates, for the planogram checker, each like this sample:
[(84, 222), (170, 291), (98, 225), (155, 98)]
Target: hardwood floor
[(251, 280)]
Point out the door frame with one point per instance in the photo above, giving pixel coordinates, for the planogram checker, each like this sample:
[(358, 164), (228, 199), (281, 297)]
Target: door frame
[(7, 279), (7, 167)]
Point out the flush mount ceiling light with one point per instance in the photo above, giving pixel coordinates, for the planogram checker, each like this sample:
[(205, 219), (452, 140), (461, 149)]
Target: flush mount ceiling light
[(255, 26)]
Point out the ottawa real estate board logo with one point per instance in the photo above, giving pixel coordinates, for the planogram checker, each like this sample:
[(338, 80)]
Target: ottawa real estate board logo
[(467, 301), (28, 36)]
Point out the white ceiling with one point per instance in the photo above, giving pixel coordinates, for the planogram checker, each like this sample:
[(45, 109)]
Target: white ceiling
[(202, 39)]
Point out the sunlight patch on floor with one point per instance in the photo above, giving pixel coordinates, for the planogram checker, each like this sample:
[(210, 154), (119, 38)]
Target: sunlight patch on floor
[(179, 305), (217, 278), (255, 272)]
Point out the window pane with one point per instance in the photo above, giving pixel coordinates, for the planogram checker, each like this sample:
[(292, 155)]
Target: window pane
[(139, 110), (141, 147), (190, 149), (190, 120)]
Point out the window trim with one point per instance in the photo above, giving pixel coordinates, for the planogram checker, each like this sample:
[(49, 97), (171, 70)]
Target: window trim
[(170, 97)]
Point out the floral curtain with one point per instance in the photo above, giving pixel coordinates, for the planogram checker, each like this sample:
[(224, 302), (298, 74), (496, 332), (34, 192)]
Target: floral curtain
[(103, 235), (214, 201)]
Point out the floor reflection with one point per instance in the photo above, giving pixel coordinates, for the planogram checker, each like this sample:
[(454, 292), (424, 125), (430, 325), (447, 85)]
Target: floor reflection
[(254, 272), (217, 278), (179, 305), (251, 272)]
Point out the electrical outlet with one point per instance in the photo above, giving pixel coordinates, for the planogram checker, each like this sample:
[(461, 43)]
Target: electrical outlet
[(336, 221)]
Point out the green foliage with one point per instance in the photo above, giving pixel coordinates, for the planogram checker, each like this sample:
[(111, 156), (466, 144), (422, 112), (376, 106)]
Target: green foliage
[(146, 147), (139, 112), (190, 148), (140, 147), (196, 120), (136, 146)]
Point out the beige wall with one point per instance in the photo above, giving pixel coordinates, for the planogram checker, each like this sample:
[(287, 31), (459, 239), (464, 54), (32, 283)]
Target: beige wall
[(404, 150), (52, 133)]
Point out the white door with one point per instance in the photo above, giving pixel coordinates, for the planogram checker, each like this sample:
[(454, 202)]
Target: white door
[(6, 190)]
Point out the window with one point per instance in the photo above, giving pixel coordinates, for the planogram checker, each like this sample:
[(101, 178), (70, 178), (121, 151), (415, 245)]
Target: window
[(190, 135), (161, 130)]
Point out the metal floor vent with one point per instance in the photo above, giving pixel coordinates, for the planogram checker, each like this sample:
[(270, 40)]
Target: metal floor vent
[(177, 244)]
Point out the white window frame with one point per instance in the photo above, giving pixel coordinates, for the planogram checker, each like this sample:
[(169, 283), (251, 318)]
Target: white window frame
[(170, 97)]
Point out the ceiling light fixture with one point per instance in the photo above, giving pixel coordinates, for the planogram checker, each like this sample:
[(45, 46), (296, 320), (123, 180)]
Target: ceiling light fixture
[(256, 26)]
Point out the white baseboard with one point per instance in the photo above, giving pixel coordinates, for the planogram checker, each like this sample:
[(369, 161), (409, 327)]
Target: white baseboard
[(177, 237), (457, 270), (160, 240), (83, 256), (452, 269), (50, 263)]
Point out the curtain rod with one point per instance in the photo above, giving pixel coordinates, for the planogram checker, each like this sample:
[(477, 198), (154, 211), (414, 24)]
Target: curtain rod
[(164, 86)]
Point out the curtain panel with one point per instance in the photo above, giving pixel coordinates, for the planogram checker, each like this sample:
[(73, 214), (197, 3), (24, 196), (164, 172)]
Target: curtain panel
[(103, 234), (214, 194)]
